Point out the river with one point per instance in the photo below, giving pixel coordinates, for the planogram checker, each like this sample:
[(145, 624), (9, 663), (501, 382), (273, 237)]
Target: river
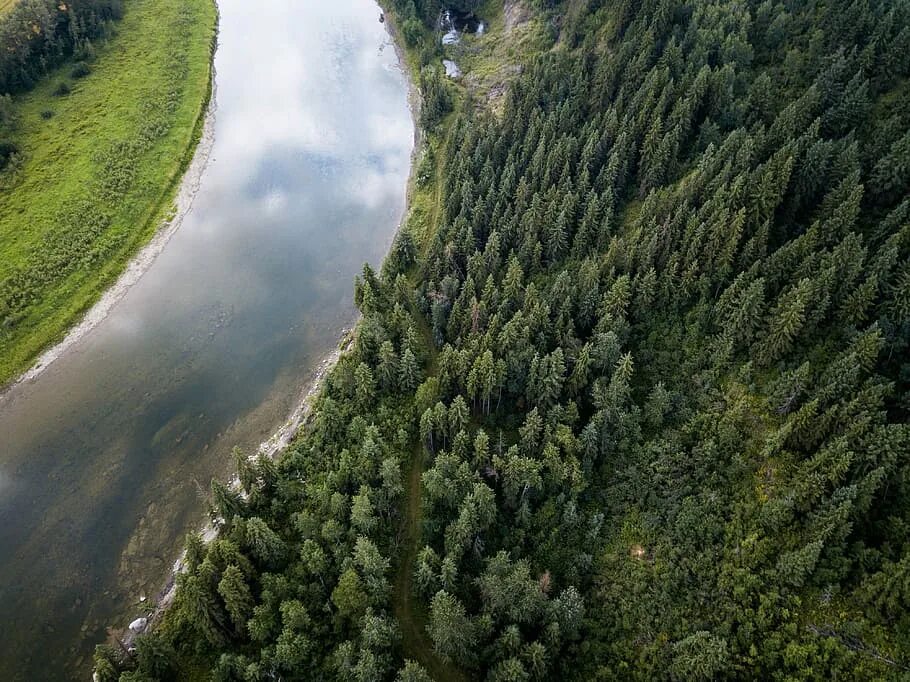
[(102, 456)]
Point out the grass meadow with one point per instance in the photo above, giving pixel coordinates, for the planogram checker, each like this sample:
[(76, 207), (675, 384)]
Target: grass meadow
[(98, 168)]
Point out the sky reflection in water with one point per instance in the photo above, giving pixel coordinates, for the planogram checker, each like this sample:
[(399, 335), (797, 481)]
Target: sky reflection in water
[(100, 457)]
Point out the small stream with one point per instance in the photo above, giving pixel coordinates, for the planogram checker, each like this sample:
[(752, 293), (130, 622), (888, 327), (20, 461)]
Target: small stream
[(104, 455), (454, 24)]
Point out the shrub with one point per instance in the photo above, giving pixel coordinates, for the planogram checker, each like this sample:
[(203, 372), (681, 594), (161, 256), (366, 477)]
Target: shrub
[(62, 90), (412, 31), (426, 167), (47, 114), (80, 70), (8, 115), (7, 151)]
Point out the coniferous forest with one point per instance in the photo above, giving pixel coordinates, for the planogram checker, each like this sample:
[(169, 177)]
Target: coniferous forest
[(634, 407)]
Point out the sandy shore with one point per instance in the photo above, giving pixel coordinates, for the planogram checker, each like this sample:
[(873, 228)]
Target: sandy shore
[(140, 263)]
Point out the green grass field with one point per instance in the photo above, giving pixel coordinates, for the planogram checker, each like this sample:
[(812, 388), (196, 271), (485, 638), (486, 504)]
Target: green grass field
[(6, 5), (100, 167)]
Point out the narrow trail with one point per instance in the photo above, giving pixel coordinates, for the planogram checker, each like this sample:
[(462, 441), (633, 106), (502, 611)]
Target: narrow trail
[(410, 613), (411, 617)]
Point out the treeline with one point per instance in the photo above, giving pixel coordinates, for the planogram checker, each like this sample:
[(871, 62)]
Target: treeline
[(38, 35), (652, 369)]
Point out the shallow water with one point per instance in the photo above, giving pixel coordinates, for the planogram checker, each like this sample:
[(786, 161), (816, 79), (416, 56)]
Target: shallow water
[(102, 456)]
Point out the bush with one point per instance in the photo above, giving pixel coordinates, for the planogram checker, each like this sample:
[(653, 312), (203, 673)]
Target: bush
[(47, 114), (8, 115), (426, 167), (437, 101), (62, 90), (7, 151), (412, 31), (80, 70)]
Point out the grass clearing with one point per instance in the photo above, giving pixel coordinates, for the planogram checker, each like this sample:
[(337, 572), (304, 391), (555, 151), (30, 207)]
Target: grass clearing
[(99, 169), (491, 60)]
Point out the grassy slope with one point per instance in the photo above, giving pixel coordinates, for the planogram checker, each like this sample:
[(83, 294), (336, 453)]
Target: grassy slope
[(131, 70)]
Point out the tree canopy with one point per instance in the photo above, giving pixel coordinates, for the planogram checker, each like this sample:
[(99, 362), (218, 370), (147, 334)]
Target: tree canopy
[(650, 367)]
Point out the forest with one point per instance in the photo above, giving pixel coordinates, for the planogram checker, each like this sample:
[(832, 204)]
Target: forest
[(633, 407)]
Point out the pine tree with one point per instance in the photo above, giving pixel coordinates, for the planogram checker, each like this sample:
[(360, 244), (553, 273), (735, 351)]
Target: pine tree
[(388, 366), (265, 545), (786, 320), (237, 597), (362, 516), (413, 672), (364, 385), (199, 607), (409, 374), (458, 415), (454, 635)]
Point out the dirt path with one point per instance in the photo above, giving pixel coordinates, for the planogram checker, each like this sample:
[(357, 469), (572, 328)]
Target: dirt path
[(411, 617)]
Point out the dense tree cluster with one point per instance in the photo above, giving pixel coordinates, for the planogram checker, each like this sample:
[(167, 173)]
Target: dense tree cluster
[(37, 35), (652, 367)]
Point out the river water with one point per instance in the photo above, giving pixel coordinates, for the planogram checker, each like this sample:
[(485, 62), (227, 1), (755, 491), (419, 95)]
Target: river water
[(102, 456)]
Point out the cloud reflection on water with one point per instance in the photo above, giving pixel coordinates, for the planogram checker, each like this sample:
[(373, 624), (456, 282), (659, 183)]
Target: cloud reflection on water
[(306, 181)]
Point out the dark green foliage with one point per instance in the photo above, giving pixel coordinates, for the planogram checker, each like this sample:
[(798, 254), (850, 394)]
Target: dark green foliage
[(454, 634), (236, 595), (437, 100), (463, 6), (653, 380), (39, 34), (154, 658), (80, 70), (8, 151), (8, 123), (411, 30)]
